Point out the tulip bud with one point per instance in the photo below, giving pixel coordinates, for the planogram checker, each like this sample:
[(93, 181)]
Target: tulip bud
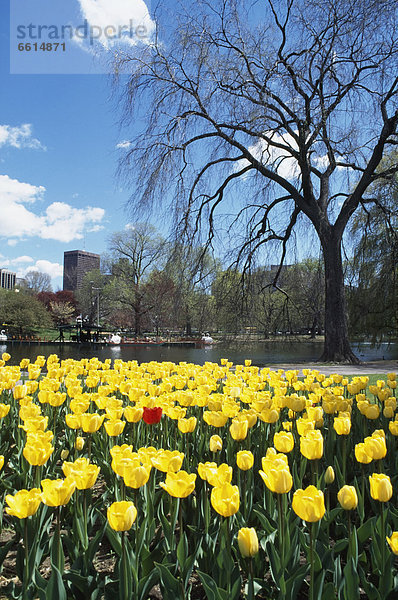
[(64, 454), (215, 443), (79, 443), (248, 542), (348, 497), (329, 475), (393, 542)]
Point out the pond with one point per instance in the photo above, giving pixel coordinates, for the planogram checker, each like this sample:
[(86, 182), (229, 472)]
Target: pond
[(261, 353)]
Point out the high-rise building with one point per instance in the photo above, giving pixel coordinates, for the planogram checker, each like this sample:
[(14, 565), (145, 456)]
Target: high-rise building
[(7, 279), (76, 264)]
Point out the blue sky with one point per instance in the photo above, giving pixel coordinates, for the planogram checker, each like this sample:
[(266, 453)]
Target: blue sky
[(59, 137)]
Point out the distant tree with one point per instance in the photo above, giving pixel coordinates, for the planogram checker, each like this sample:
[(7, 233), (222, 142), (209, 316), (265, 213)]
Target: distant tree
[(135, 252), (94, 298), (192, 268), (37, 282), (265, 115), (62, 312), (373, 295), (21, 313)]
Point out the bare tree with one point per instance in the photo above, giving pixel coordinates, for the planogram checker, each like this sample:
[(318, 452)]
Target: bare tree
[(277, 113), (37, 282), (135, 252)]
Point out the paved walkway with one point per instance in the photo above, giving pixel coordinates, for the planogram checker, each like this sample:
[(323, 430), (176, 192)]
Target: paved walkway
[(365, 368)]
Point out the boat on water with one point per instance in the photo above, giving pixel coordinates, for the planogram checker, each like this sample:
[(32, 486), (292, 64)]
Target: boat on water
[(3, 336)]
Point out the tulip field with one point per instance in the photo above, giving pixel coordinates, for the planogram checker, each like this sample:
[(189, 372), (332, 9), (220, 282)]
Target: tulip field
[(220, 481)]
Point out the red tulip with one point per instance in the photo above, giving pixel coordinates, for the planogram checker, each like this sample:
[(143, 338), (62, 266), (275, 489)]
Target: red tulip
[(152, 415)]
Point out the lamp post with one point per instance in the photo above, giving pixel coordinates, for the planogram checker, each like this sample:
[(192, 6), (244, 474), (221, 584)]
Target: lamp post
[(95, 289)]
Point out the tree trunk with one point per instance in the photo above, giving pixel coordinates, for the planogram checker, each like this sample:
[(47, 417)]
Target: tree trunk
[(337, 346)]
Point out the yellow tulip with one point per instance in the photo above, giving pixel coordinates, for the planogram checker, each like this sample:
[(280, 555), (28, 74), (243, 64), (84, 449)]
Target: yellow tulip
[(205, 468), (179, 485), (219, 475), (91, 422), (284, 441), (329, 475), (83, 473), (361, 455), (372, 411), (342, 425), (121, 515), (136, 476), (4, 410), (238, 429), (348, 498), (57, 492), (73, 421), (215, 443), (133, 414), (304, 426), (1, 461), (114, 427), (393, 427), (24, 503), (19, 392), (168, 461), (79, 443), (37, 454), (225, 499), (309, 504), (311, 446), (375, 446), (244, 460), (215, 418), (278, 479), (5, 356), (187, 425), (393, 542), (380, 487), (248, 542)]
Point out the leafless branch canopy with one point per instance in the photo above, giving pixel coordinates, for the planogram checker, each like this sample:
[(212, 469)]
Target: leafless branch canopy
[(257, 117)]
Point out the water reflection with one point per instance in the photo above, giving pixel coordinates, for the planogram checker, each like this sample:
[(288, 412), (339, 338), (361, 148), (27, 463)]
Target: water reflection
[(261, 353)]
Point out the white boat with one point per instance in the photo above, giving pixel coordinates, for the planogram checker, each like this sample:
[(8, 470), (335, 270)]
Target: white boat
[(207, 339), (3, 337), (115, 339)]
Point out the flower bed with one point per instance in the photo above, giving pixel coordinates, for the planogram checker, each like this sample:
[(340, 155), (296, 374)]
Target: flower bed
[(196, 481)]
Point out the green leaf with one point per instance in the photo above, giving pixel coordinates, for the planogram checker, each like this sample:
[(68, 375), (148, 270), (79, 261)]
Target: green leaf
[(114, 540), (210, 587), (125, 577), (145, 584), (55, 587), (365, 531), (340, 546), (351, 581), (171, 587), (182, 551)]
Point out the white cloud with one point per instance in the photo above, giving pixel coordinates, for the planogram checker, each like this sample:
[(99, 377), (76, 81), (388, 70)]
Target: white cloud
[(21, 260), (19, 137), (118, 21), (123, 145), (45, 266), (279, 159), (59, 221)]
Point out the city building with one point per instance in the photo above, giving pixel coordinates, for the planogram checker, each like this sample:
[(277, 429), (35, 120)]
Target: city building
[(76, 264), (7, 279)]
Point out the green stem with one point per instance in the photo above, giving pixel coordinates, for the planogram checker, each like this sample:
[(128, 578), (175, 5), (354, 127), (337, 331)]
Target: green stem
[(312, 566), (251, 581), (383, 545), (26, 575), (281, 531)]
